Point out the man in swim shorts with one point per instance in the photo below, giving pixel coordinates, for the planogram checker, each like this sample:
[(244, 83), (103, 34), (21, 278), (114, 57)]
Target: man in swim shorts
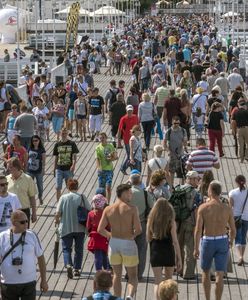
[(125, 226), (215, 216)]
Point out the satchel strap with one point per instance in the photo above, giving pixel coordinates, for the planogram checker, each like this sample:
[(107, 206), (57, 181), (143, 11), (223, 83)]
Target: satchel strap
[(82, 201), (245, 202), (18, 242), (157, 163)]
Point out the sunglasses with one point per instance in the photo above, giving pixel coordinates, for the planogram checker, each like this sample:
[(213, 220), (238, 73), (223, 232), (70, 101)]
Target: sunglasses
[(35, 141), (23, 222), (176, 123), (4, 184)]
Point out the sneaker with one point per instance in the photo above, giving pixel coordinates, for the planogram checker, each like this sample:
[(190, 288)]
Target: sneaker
[(41, 201), (129, 298), (70, 135), (92, 137), (69, 271), (76, 273)]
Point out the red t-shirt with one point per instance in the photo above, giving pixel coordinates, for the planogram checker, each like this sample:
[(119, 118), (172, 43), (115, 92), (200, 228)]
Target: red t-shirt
[(125, 126), (20, 153)]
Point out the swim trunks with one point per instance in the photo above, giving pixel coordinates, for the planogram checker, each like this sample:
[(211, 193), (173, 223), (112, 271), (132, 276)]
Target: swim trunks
[(123, 252)]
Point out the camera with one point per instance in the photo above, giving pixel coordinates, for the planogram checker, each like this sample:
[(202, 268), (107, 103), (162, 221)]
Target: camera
[(17, 261)]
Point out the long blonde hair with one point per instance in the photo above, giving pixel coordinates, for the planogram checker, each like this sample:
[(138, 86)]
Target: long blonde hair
[(160, 220)]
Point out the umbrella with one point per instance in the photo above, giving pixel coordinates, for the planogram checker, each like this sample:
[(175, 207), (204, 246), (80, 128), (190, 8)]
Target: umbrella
[(56, 248)]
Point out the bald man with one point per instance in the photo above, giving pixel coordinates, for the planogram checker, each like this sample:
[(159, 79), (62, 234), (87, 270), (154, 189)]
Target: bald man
[(18, 269)]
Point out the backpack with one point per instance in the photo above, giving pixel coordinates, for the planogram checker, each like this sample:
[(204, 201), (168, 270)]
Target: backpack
[(113, 97), (179, 203)]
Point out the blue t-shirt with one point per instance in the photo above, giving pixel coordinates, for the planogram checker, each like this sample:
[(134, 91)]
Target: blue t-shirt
[(186, 54)]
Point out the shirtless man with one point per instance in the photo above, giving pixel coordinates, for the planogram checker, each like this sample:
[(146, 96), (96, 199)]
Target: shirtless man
[(125, 226), (214, 216)]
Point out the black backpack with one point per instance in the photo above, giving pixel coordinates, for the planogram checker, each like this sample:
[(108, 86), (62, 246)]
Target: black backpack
[(113, 97), (179, 203)]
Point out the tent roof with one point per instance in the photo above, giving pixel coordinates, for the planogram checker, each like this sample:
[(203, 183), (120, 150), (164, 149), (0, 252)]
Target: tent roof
[(82, 12), (107, 11)]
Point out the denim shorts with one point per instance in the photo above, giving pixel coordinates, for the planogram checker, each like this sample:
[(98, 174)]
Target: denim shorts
[(217, 250), (71, 114), (60, 175), (105, 178), (240, 238)]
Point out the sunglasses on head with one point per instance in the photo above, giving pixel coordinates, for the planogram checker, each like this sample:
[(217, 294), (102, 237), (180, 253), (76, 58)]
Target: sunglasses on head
[(23, 222), (4, 184)]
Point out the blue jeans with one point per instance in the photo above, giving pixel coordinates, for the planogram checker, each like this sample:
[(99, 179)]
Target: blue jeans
[(125, 164), (39, 183), (147, 128), (240, 238), (67, 242), (101, 260)]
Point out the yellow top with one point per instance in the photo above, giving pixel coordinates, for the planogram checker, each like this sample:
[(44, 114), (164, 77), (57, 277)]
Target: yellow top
[(24, 187)]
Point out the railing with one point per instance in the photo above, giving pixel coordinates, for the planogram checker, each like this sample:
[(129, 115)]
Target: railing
[(22, 92)]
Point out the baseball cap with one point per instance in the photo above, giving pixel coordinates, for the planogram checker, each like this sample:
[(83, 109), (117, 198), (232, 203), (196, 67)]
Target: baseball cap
[(192, 174), (135, 172), (129, 107), (101, 191)]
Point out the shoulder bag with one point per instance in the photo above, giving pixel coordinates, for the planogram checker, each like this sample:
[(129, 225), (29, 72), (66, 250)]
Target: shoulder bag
[(238, 219), (82, 212)]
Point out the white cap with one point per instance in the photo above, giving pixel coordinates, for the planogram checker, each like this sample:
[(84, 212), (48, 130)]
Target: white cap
[(129, 107)]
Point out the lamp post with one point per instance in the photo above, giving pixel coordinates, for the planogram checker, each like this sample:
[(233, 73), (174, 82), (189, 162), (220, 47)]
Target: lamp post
[(54, 40), (18, 43)]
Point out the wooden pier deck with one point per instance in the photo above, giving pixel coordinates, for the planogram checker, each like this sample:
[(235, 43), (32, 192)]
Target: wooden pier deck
[(236, 283)]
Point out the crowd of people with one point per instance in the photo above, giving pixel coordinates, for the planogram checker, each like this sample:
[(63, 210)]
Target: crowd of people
[(183, 82)]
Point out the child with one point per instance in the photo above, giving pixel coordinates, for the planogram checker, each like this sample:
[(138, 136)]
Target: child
[(97, 244)]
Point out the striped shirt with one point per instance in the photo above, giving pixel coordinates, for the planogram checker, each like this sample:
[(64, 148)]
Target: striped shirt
[(202, 160)]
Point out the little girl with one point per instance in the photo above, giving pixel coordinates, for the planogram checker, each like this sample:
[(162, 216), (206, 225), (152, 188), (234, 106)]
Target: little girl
[(97, 243)]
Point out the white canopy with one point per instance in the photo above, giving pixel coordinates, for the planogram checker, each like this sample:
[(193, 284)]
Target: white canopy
[(82, 12), (107, 11), (230, 14), (46, 21)]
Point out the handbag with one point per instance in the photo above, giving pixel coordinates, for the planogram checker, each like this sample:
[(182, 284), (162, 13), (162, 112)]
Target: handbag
[(238, 219), (147, 209), (82, 212)]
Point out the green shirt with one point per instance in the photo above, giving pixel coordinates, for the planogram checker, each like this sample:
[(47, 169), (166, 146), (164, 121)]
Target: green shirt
[(162, 94), (102, 154)]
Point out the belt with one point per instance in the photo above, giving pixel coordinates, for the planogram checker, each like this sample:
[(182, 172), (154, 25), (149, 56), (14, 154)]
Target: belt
[(242, 126), (218, 237)]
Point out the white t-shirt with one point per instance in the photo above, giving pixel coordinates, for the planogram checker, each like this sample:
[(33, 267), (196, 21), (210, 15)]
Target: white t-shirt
[(154, 166), (8, 204), (31, 250), (40, 114), (238, 202), (199, 101), (206, 40), (234, 80)]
